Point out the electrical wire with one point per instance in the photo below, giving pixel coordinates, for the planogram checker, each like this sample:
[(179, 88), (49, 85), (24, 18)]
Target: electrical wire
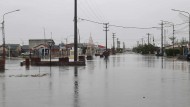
[(134, 27), (118, 25), (98, 10), (92, 10), (90, 21)]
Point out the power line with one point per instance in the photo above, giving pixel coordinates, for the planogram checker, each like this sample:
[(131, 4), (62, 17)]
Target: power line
[(85, 8), (177, 24), (118, 25), (134, 27), (90, 21), (98, 9), (92, 11)]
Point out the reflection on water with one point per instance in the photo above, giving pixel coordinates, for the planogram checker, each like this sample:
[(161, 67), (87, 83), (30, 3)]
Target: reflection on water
[(106, 59), (3, 93), (124, 80), (76, 88), (2, 71)]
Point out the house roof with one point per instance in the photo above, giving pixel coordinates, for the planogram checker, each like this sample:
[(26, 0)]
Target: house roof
[(100, 46), (40, 46)]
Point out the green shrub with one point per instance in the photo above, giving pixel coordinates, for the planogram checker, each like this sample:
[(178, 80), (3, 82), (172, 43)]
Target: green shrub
[(171, 52)]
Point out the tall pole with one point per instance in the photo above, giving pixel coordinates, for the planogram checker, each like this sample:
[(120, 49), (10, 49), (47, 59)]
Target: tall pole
[(148, 38), (50, 55), (3, 33), (117, 43), (44, 42), (75, 33), (106, 30), (66, 47), (173, 39), (189, 31), (113, 43), (162, 33), (173, 34)]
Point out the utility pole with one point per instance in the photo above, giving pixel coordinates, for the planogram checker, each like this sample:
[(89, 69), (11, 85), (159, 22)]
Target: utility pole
[(113, 43), (142, 41), (189, 26), (137, 43), (106, 30), (3, 34), (164, 38), (117, 43), (45, 42), (75, 33), (162, 32), (123, 46), (173, 34), (148, 38), (173, 38)]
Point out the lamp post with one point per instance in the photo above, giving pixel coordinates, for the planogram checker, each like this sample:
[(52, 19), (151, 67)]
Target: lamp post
[(50, 43), (189, 23), (3, 31)]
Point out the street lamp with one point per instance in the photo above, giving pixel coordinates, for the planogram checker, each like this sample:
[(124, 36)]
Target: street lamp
[(3, 31), (189, 23), (50, 43)]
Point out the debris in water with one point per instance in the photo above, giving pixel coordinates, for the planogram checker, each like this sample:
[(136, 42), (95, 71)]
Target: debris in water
[(34, 75)]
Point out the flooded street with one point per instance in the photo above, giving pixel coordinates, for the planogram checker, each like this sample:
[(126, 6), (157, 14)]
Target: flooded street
[(126, 80)]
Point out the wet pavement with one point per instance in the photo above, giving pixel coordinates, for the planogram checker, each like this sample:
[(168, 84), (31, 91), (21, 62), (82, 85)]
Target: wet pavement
[(125, 80)]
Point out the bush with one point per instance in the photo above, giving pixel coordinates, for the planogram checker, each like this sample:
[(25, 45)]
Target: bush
[(171, 52), (145, 49)]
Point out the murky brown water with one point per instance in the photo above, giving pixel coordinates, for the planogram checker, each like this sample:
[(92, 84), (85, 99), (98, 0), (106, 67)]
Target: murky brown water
[(126, 80)]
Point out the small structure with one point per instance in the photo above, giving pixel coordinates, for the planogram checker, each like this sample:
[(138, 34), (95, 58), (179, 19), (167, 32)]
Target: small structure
[(41, 50), (36, 42), (90, 49)]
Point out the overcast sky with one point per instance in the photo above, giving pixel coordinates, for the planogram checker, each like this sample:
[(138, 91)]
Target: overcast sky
[(56, 16)]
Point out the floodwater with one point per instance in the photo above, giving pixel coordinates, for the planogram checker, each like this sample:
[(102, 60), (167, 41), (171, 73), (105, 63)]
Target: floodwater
[(125, 80)]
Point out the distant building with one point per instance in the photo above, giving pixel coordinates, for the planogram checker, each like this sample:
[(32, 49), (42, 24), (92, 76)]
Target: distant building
[(25, 48), (12, 50), (36, 42)]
